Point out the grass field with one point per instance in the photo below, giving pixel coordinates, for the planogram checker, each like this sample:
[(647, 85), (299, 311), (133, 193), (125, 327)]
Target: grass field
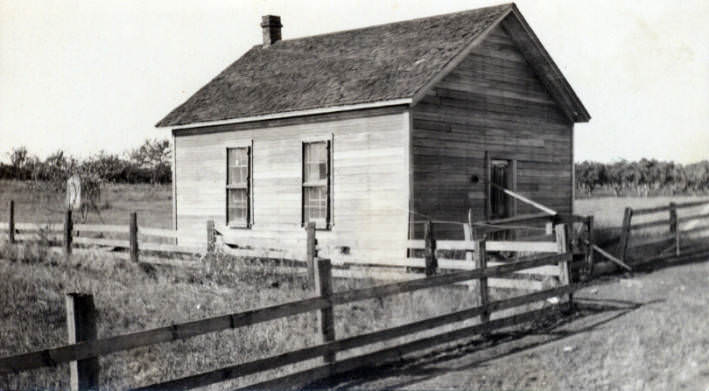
[(133, 297), (151, 202)]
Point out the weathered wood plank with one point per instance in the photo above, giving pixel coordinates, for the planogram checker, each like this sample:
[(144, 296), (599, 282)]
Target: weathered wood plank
[(52, 227), (323, 287), (159, 232), (102, 228), (10, 227), (148, 246), (522, 246), (102, 242), (690, 218), (81, 326), (649, 224)]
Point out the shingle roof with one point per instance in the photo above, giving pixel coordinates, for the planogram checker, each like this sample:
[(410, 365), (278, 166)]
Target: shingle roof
[(372, 64)]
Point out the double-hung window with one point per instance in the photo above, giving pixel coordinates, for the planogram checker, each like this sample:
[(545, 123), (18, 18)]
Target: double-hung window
[(238, 181), (316, 183)]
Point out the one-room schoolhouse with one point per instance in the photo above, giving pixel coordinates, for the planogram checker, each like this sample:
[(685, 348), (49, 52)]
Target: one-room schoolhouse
[(364, 132)]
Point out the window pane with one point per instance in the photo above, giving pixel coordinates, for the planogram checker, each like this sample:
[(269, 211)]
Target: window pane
[(315, 203), (237, 206), (315, 159), (238, 165)]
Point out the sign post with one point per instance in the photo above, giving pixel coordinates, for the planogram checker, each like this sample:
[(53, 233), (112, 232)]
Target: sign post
[(73, 192)]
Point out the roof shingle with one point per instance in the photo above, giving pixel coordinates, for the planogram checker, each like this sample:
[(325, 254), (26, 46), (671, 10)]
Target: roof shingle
[(371, 64)]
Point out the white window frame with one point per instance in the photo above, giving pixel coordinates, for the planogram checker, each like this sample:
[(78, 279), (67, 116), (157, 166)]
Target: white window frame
[(328, 222), (248, 185)]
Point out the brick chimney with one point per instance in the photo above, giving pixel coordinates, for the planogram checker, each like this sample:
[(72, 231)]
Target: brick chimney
[(271, 26)]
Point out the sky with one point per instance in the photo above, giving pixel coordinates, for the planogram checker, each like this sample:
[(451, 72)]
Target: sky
[(87, 75)]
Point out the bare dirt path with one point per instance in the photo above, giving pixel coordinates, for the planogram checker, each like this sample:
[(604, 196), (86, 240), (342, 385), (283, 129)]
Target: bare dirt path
[(649, 332)]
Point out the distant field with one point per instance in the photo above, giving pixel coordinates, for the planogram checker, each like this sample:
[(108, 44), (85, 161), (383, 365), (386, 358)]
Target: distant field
[(608, 211), (151, 202)]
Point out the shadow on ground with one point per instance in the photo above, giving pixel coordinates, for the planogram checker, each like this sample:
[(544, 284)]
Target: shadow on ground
[(424, 367)]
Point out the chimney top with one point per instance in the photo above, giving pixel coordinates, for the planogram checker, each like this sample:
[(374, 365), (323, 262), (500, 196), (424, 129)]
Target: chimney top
[(271, 27)]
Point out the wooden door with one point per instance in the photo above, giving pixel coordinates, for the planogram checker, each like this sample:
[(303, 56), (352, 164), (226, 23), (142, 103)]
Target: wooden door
[(500, 175)]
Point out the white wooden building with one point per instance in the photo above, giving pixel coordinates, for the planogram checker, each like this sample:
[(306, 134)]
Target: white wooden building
[(365, 131)]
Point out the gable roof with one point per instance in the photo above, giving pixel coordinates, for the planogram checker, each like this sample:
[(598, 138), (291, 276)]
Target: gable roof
[(391, 63)]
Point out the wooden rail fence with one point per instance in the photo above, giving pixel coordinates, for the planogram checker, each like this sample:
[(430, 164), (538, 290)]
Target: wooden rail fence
[(138, 238), (475, 257), (674, 231), (84, 348), (432, 257)]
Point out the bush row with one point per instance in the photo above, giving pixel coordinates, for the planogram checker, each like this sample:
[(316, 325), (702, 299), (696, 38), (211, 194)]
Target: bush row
[(643, 177), (149, 163)]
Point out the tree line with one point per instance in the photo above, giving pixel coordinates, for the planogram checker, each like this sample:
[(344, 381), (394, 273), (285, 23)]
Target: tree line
[(641, 178), (149, 163)]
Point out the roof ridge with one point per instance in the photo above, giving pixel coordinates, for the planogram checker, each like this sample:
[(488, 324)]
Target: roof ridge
[(501, 6)]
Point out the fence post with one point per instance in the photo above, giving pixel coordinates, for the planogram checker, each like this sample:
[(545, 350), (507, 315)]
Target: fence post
[(310, 251), (481, 264), (549, 228), (673, 226), (11, 223), (323, 286), (430, 251), (470, 225), (587, 245), (211, 237), (468, 234), (81, 325), (134, 237), (625, 233), (68, 228), (563, 248)]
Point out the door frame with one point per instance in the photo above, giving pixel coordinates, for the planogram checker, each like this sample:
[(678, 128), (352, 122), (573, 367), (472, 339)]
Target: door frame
[(489, 157)]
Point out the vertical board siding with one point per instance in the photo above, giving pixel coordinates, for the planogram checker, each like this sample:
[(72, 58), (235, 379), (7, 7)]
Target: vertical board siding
[(370, 192), (492, 102)]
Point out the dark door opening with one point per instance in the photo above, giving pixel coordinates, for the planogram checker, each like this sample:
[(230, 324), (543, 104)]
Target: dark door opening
[(501, 176)]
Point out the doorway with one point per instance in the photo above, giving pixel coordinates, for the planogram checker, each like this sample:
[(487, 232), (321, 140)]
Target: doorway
[(500, 177)]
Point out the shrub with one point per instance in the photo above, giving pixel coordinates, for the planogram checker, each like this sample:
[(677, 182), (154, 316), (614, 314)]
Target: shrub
[(643, 177), (149, 163)]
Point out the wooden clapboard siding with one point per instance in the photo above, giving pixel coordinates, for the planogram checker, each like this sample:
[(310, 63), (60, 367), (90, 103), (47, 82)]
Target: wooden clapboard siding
[(492, 101), (370, 190)]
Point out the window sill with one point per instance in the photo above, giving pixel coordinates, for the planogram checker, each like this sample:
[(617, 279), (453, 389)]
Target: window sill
[(320, 227)]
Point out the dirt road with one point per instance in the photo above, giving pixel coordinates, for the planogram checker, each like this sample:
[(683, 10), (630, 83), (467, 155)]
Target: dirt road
[(649, 332)]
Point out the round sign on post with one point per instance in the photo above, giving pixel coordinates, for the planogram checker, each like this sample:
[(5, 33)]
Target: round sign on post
[(73, 192)]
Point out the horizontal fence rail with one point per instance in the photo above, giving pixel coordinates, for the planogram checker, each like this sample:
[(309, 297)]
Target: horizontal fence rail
[(241, 370), (70, 233), (50, 357), (430, 246), (673, 222), (692, 204)]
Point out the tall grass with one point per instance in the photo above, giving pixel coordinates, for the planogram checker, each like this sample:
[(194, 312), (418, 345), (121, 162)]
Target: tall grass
[(132, 297)]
